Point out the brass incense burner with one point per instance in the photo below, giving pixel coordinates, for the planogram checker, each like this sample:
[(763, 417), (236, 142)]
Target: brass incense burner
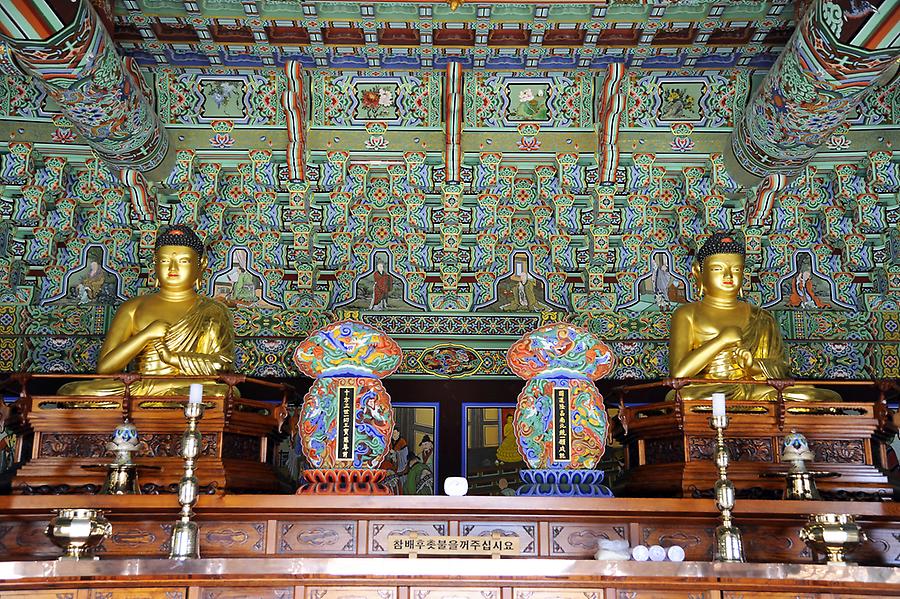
[(835, 535), (78, 531)]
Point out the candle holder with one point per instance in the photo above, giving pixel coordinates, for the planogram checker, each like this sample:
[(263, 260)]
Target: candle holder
[(729, 547), (800, 482), (185, 540)]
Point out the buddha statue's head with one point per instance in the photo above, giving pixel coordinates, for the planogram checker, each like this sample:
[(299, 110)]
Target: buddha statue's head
[(719, 268), (179, 258)]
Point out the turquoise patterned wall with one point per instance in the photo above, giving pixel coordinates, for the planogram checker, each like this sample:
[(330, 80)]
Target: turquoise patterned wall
[(532, 232)]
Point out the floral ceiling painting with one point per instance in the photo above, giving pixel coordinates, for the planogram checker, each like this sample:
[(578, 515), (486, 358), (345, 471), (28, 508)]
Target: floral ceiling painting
[(529, 102), (377, 102)]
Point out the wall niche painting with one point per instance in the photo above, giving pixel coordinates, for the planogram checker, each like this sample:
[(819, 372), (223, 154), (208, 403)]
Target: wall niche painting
[(376, 101), (223, 98), (380, 289), (661, 289), (680, 101), (91, 282), (239, 284), (412, 458), (805, 288), (529, 102), (520, 290)]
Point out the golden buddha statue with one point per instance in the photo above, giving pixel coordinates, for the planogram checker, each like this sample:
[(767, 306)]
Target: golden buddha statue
[(173, 332), (722, 338)]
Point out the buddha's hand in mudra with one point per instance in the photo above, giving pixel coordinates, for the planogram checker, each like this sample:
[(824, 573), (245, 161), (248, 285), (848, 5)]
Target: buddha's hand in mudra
[(165, 354), (744, 358), (155, 330), (731, 338)]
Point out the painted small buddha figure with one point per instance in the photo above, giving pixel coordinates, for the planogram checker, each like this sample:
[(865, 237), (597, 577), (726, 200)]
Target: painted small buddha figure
[(722, 338), (173, 332)]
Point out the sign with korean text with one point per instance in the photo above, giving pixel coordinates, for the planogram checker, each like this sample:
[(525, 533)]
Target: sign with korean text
[(412, 544), (561, 425), (346, 423)]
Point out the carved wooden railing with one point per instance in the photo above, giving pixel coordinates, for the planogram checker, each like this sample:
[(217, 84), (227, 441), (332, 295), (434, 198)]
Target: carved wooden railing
[(881, 410), (231, 400)]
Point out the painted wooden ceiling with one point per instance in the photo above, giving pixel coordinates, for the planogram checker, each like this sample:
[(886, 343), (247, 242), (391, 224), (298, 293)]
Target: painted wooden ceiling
[(700, 34)]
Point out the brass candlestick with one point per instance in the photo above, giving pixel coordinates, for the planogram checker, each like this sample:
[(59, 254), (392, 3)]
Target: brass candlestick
[(185, 535), (729, 547)]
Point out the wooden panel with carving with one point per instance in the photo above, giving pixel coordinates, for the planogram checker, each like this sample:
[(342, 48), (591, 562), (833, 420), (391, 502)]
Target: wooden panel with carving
[(526, 531), (698, 542), (138, 593), (776, 544), (26, 540), (454, 593), (883, 548), (657, 594), (347, 592), (574, 539), (315, 537), (233, 538), (247, 592), (40, 594), (847, 596), (768, 595), (131, 538), (380, 530), (558, 594)]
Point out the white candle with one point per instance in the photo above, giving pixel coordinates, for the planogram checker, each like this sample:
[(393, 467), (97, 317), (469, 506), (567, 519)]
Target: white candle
[(718, 404), (196, 393)]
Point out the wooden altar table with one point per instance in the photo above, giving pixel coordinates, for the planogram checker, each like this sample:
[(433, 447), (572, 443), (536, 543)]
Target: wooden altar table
[(438, 578), (291, 526)]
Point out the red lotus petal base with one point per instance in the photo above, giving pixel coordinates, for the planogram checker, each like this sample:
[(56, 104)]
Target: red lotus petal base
[(344, 482)]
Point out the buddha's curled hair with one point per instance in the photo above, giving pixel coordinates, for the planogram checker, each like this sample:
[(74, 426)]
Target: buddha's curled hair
[(721, 243), (180, 235)]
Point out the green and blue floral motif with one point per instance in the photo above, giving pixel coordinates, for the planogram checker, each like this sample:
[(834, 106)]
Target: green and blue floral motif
[(373, 419), (561, 362), (348, 348)]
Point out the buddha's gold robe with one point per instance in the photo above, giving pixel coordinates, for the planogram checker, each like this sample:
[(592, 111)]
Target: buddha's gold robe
[(203, 341), (762, 337)]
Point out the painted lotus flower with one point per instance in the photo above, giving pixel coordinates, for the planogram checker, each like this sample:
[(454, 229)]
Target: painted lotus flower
[(221, 141), (376, 142), (63, 136), (526, 95), (370, 99), (682, 144), (529, 144), (838, 142)]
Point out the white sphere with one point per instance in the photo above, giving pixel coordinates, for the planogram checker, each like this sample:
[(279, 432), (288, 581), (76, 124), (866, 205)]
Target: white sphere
[(640, 553), (456, 486), (676, 553)]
